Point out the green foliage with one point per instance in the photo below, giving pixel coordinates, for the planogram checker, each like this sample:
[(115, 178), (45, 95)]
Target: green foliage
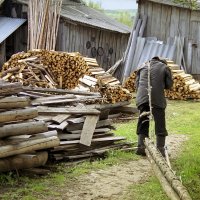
[(188, 3), (95, 5), (124, 16)]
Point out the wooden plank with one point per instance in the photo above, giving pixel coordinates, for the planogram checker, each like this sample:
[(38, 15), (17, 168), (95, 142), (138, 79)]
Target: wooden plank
[(105, 139), (61, 126), (88, 129), (60, 91), (63, 110), (98, 130), (60, 118)]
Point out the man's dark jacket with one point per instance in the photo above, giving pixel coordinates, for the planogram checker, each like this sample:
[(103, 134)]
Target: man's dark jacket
[(161, 78)]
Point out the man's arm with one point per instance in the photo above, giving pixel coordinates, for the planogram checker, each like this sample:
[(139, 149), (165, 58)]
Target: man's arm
[(137, 79), (168, 78)]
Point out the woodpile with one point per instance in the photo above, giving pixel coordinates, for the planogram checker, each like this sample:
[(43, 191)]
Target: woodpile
[(130, 82), (21, 136), (67, 123), (184, 87), (49, 69), (84, 129), (109, 87)]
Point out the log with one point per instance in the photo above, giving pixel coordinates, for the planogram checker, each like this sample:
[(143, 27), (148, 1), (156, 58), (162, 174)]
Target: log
[(29, 146), (23, 128), (17, 115), (14, 102), (10, 88), (164, 183), (23, 161), (172, 179)]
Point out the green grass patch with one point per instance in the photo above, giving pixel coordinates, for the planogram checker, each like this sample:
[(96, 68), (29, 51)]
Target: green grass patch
[(150, 190)]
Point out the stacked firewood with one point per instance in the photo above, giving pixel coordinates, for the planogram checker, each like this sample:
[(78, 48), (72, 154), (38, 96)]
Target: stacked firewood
[(42, 68), (114, 94), (109, 87), (184, 87), (130, 82), (21, 136)]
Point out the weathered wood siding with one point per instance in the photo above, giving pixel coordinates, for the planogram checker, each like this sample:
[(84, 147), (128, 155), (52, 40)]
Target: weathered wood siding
[(74, 37), (168, 21)]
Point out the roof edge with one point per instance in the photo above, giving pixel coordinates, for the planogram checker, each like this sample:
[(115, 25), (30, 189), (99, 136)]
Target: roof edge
[(171, 3)]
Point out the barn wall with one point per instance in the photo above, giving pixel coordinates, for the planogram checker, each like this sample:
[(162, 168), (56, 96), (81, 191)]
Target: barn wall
[(168, 21), (107, 47)]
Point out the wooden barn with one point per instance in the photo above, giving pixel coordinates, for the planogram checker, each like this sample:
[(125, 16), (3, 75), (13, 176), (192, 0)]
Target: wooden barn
[(167, 19), (85, 30)]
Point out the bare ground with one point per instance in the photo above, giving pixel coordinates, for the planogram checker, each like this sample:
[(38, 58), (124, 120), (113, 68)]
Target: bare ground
[(113, 183)]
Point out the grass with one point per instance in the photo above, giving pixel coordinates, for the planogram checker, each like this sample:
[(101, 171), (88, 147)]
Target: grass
[(182, 118)]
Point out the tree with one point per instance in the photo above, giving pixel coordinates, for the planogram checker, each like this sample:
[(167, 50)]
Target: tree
[(94, 5)]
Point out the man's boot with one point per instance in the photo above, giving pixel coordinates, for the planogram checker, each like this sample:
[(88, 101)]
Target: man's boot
[(141, 147), (160, 144)]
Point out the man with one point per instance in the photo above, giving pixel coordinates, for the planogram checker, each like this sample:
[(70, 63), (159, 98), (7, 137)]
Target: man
[(160, 79)]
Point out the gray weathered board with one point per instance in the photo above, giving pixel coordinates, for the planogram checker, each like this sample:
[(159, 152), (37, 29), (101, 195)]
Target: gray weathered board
[(88, 129)]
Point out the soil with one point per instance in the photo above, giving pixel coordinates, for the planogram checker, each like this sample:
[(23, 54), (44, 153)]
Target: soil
[(112, 183)]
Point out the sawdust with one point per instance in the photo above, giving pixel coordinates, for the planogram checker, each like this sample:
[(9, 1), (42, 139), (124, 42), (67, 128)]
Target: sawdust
[(113, 182)]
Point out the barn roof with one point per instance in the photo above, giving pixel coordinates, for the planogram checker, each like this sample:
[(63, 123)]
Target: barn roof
[(77, 12), (171, 3)]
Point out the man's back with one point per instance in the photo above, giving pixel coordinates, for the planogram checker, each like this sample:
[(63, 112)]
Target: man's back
[(161, 79)]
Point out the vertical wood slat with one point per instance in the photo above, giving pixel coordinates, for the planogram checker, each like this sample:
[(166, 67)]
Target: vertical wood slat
[(88, 129)]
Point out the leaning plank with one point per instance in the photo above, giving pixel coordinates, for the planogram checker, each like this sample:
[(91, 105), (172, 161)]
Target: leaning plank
[(23, 128), (14, 102), (16, 115), (29, 146), (54, 110), (23, 161), (88, 129)]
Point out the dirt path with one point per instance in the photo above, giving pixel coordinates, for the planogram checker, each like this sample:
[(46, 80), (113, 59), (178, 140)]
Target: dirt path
[(112, 183)]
